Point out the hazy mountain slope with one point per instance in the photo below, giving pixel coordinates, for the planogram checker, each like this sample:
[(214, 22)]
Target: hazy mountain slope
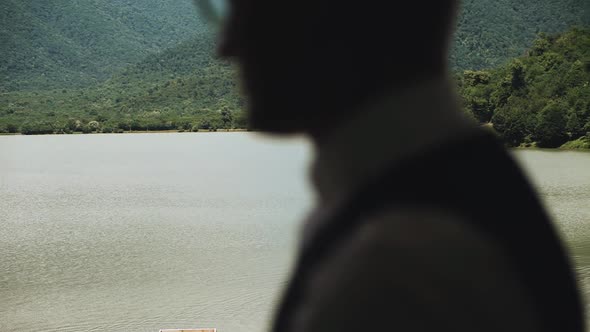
[(182, 87), (488, 34), (541, 98), (491, 32), (55, 43)]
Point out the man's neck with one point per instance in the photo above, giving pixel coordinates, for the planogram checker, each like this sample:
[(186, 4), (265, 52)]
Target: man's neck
[(395, 126)]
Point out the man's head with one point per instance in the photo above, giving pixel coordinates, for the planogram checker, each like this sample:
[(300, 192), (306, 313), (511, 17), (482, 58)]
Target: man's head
[(306, 65)]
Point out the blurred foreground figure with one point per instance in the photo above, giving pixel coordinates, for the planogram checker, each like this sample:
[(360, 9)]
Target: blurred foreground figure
[(424, 222)]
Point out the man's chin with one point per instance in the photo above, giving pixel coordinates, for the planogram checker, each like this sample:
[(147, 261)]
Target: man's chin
[(275, 121)]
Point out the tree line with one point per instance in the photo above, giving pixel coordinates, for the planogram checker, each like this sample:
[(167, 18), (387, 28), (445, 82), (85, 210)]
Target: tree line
[(539, 99)]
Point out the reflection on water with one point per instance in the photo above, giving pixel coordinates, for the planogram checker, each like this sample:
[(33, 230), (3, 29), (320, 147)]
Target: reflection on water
[(141, 232)]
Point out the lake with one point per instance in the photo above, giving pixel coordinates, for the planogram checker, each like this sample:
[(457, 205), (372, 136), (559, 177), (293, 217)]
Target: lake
[(147, 231)]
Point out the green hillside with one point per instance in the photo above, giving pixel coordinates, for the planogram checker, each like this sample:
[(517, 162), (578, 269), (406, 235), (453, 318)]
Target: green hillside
[(157, 94), (53, 43), (491, 32), (77, 43), (121, 65), (540, 99)]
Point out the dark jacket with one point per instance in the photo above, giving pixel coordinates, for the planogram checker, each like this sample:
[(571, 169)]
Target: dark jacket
[(488, 260)]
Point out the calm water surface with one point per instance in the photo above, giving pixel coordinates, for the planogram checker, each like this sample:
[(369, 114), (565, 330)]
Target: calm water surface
[(562, 179), (141, 232)]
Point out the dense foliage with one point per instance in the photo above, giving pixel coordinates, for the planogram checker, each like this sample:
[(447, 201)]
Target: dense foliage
[(127, 65), (491, 32), (180, 89), (54, 43), (542, 98), (71, 44)]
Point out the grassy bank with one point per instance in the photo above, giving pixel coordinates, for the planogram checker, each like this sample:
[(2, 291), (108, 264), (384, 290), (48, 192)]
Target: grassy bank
[(579, 144), (233, 130)]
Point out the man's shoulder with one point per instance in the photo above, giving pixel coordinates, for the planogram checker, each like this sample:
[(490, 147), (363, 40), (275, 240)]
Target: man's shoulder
[(427, 238), (412, 230), (429, 258)]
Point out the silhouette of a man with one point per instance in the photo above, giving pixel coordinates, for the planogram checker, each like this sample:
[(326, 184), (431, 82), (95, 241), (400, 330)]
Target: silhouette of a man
[(424, 222)]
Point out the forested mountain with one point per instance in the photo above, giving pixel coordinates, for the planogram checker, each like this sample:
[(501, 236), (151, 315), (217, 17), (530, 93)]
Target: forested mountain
[(491, 32), (124, 65), (541, 98), (77, 43), (56, 43), (181, 88)]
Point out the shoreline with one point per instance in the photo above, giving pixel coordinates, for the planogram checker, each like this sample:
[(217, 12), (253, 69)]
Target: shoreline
[(518, 148), (242, 130)]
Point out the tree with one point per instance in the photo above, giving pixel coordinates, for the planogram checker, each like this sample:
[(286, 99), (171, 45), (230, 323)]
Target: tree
[(576, 75), (502, 91), (205, 124), (11, 128), (550, 131), (93, 126), (540, 45), (475, 90), (241, 120), (517, 71), (473, 78), (514, 124), (184, 125), (226, 117), (72, 124), (480, 108), (86, 129), (36, 128), (107, 129), (573, 125)]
